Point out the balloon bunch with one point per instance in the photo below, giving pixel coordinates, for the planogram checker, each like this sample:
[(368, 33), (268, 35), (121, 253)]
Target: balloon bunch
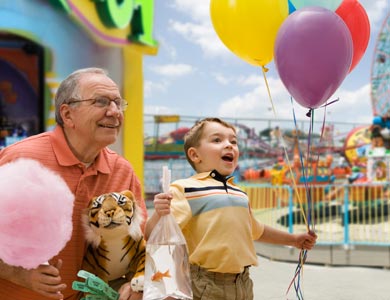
[(316, 48), (315, 43)]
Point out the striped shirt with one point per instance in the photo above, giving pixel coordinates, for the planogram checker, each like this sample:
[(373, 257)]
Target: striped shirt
[(217, 222), (109, 173)]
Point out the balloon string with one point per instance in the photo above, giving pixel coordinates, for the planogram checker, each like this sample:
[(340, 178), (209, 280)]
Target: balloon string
[(265, 70), (297, 275), (310, 165), (302, 168), (295, 188), (331, 102), (296, 280)]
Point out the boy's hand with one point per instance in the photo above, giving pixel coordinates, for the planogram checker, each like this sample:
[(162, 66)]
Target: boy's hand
[(306, 240), (162, 203)]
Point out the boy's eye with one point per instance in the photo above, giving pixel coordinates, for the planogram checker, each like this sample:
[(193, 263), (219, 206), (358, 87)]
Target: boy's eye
[(234, 142), (216, 140)]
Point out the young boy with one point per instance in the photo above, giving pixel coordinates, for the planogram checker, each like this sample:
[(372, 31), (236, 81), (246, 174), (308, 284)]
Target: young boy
[(215, 216)]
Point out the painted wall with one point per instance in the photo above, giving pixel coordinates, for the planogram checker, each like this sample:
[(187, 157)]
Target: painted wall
[(72, 45)]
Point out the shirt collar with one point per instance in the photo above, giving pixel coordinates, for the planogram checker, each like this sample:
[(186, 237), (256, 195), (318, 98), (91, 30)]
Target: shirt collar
[(66, 157), (215, 175)]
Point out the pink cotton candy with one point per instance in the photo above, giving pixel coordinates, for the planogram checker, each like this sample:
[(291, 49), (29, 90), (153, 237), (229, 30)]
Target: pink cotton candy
[(36, 209)]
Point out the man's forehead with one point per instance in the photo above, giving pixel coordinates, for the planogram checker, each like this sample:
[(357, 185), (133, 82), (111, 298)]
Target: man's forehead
[(98, 84)]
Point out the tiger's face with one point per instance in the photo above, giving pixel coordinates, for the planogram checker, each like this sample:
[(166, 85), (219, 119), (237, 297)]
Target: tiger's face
[(112, 210), (112, 214)]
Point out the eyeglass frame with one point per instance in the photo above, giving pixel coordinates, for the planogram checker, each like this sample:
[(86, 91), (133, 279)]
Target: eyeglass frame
[(122, 106)]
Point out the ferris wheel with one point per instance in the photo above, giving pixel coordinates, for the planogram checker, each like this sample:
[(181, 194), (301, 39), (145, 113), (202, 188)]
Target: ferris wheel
[(380, 72)]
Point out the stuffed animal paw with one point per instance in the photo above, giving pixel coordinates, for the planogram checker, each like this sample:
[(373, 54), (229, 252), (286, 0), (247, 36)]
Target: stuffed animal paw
[(137, 283)]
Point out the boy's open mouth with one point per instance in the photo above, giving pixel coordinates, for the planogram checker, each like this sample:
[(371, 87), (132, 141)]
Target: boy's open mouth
[(228, 158)]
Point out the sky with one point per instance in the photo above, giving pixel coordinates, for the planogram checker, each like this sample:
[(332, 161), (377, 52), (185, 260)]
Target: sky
[(195, 74)]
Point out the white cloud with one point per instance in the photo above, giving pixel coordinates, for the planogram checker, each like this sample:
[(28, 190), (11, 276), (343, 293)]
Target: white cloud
[(158, 110), (256, 102), (150, 88), (198, 10), (200, 31), (353, 106), (173, 70), (201, 34), (167, 47), (251, 80)]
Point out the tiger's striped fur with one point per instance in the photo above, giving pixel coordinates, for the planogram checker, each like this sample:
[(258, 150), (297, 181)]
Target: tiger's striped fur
[(115, 244)]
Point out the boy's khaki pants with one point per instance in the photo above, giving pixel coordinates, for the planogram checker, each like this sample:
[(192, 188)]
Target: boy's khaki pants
[(220, 286)]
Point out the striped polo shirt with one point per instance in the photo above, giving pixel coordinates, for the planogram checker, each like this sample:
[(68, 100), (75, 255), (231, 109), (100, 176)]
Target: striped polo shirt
[(217, 222), (109, 173)]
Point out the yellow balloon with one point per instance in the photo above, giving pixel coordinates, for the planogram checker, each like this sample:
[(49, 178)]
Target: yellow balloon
[(249, 27)]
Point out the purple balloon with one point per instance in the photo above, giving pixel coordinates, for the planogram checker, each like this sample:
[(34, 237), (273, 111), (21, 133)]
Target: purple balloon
[(313, 54)]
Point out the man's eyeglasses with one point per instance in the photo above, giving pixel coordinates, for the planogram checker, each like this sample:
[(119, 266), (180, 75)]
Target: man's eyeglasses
[(102, 102)]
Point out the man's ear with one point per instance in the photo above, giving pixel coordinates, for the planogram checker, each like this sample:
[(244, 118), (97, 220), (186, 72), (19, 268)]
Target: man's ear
[(66, 116), (193, 155)]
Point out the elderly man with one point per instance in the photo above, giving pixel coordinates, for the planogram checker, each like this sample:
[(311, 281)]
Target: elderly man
[(89, 115)]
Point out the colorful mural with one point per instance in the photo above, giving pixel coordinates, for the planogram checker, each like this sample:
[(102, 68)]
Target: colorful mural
[(71, 34)]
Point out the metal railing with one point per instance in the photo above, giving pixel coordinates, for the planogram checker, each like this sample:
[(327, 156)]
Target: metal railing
[(342, 214)]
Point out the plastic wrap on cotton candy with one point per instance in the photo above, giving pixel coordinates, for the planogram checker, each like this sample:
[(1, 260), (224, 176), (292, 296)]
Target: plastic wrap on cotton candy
[(36, 208)]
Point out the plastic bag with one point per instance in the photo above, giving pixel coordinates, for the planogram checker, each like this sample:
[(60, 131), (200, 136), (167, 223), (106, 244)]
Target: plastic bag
[(167, 269)]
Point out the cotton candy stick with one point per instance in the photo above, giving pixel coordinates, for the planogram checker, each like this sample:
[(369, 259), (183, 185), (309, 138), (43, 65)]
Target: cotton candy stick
[(166, 179)]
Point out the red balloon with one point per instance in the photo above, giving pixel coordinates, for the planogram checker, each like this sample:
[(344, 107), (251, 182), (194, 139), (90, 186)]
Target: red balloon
[(356, 19)]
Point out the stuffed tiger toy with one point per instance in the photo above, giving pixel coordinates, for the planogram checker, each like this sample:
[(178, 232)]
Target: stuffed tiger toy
[(115, 244)]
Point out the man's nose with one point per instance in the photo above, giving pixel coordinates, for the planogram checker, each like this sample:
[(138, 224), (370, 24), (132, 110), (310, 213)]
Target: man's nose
[(112, 107)]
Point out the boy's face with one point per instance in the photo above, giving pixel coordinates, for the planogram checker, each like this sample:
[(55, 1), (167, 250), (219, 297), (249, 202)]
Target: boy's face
[(218, 149)]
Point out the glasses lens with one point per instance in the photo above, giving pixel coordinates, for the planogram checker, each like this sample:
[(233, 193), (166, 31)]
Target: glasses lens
[(123, 105), (105, 102), (102, 102)]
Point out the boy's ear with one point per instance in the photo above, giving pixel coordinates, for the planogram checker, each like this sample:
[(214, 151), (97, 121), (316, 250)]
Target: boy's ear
[(193, 155)]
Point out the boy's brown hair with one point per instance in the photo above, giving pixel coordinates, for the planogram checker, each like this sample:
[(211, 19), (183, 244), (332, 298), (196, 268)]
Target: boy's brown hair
[(193, 136)]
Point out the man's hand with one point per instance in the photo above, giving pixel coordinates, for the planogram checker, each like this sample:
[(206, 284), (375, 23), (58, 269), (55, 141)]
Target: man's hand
[(45, 280)]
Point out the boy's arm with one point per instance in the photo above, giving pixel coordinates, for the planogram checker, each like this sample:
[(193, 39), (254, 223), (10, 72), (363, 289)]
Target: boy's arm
[(152, 221), (162, 206), (278, 237)]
